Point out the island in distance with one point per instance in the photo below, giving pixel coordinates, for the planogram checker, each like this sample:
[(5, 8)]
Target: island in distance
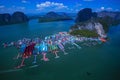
[(94, 24), (15, 18), (52, 16)]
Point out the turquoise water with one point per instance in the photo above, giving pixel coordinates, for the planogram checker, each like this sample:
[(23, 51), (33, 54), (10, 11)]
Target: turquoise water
[(100, 62)]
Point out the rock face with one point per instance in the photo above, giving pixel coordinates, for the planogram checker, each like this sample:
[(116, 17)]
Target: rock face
[(85, 14), (52, 16), (5, 19), (108, 19), (91, 26), (99, 29), (17, 17), (87, 20), (98, 22)]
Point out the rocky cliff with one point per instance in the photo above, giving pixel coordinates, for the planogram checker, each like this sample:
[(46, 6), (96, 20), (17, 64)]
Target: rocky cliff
[(98, 23), (85, 21), (5, 19), (90, 26), (85, 14), (17, 17)]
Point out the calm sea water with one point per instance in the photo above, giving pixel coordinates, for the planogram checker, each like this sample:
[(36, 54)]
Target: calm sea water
[(100, 62)]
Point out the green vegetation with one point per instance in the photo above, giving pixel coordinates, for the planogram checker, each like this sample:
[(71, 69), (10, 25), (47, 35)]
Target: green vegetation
[(52, 16), (85, 14), (105, 21), (108, 21), (85, 33), (15, 18), (45, 19), (106, 18)]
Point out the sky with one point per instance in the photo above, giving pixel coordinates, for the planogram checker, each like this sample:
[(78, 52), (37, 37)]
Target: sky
[(69, 6)]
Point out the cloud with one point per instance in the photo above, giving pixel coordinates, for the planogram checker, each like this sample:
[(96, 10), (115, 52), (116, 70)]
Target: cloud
[(2, 6), (109, 9), (53, 5), (116, 9), (78, 5), (76, 10), (88, 0), (25, 1), (105, 9), (17, 7), (102, 8), (21, 8), (12, 9)]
